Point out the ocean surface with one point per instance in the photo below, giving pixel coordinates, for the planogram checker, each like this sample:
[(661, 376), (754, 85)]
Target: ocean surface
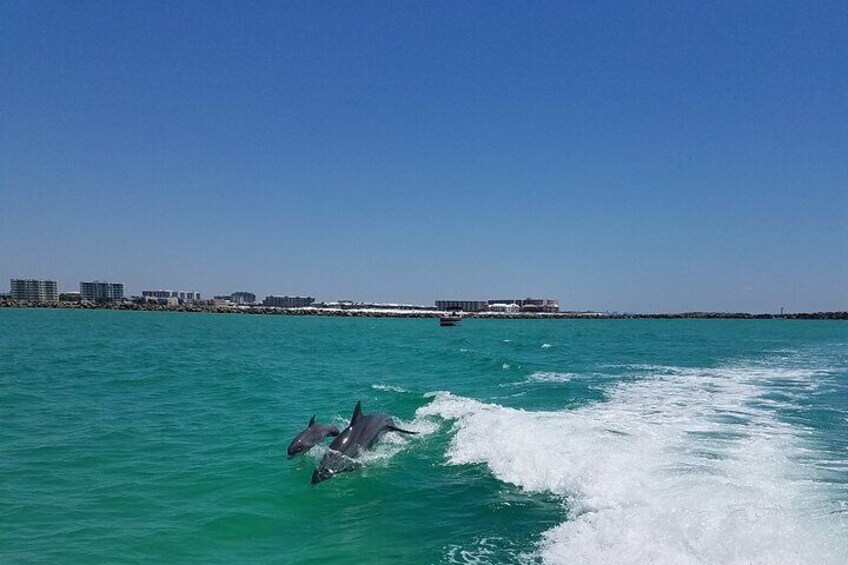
[(133, 437)]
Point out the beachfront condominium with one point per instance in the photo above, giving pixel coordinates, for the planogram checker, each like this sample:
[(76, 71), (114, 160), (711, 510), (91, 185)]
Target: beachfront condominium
[(243, 297), (97, 290), (33, 290)]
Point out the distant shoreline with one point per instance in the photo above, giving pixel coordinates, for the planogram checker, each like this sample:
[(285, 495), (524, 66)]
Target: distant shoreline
[(377, 313)]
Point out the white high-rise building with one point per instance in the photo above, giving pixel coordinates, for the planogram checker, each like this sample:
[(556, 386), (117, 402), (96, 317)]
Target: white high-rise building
[(34, 290), (95, 290)]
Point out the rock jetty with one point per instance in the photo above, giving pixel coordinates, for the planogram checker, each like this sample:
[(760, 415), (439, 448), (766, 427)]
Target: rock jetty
[(387, 313)]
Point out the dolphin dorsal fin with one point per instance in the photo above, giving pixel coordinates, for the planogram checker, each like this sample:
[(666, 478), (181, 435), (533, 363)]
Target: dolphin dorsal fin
[(311, 421), (357, 412)]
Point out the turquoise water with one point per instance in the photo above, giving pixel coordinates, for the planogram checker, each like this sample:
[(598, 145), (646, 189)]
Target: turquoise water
[(138, 436)]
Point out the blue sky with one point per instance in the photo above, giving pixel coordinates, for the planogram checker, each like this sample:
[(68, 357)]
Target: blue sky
[(640, 156)]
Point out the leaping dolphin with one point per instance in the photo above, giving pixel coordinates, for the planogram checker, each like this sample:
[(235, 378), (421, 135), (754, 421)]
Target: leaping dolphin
[(362, 432), (310, 437)]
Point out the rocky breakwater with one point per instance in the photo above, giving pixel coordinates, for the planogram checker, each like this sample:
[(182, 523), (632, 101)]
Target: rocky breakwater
[(210, 309), (377, 313), (839, 315)]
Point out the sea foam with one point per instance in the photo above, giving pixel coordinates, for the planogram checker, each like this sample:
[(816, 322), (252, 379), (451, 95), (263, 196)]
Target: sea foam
[(682, 466), (549, 377), (543, 377), (388, 388)]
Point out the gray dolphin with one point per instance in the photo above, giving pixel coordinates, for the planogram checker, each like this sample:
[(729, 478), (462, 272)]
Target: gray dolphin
[(362, 432), (311, 436)]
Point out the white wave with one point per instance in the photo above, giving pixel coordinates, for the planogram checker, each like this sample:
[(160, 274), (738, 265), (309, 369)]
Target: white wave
[(546, 345), (546, 377), (543, 377), (685, 466), (388, 388), (505, 366)]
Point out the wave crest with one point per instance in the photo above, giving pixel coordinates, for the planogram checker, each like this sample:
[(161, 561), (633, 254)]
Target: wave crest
[(684, 466)]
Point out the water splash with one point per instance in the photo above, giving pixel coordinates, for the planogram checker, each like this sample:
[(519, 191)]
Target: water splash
[(683, 466)]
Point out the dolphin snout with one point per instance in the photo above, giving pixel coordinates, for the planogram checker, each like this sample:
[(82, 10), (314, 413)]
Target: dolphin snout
[(320, 474)]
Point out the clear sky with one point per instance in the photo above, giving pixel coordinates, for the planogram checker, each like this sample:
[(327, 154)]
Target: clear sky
[(638, 156)]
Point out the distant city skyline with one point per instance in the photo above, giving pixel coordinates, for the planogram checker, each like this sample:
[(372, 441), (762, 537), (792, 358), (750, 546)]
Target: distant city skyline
[(641, 157), (241, 296)]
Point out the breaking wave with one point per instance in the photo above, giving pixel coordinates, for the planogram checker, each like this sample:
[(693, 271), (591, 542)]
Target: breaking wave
[(682, 466)]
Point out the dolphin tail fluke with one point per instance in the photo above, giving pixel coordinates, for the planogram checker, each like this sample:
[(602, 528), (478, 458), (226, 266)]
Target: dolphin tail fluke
[(396, 429)]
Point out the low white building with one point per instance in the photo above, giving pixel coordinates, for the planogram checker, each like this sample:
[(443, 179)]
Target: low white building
[(505, 308), (184, 297)]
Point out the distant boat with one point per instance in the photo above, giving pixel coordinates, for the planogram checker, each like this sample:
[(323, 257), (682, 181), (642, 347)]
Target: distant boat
[(450, 319)]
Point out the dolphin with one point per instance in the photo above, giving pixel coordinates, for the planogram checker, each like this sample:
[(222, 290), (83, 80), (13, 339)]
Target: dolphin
[(311, 436), (362, 432)]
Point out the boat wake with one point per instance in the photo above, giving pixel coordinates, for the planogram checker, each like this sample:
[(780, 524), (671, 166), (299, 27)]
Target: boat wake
[(680, 466)]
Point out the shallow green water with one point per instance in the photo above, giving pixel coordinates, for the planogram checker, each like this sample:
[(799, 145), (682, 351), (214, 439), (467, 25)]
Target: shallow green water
[(146, 436)]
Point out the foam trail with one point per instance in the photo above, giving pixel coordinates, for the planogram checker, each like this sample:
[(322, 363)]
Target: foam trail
[(547, 377), (388, 388), (543, 377), (685, 466)]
